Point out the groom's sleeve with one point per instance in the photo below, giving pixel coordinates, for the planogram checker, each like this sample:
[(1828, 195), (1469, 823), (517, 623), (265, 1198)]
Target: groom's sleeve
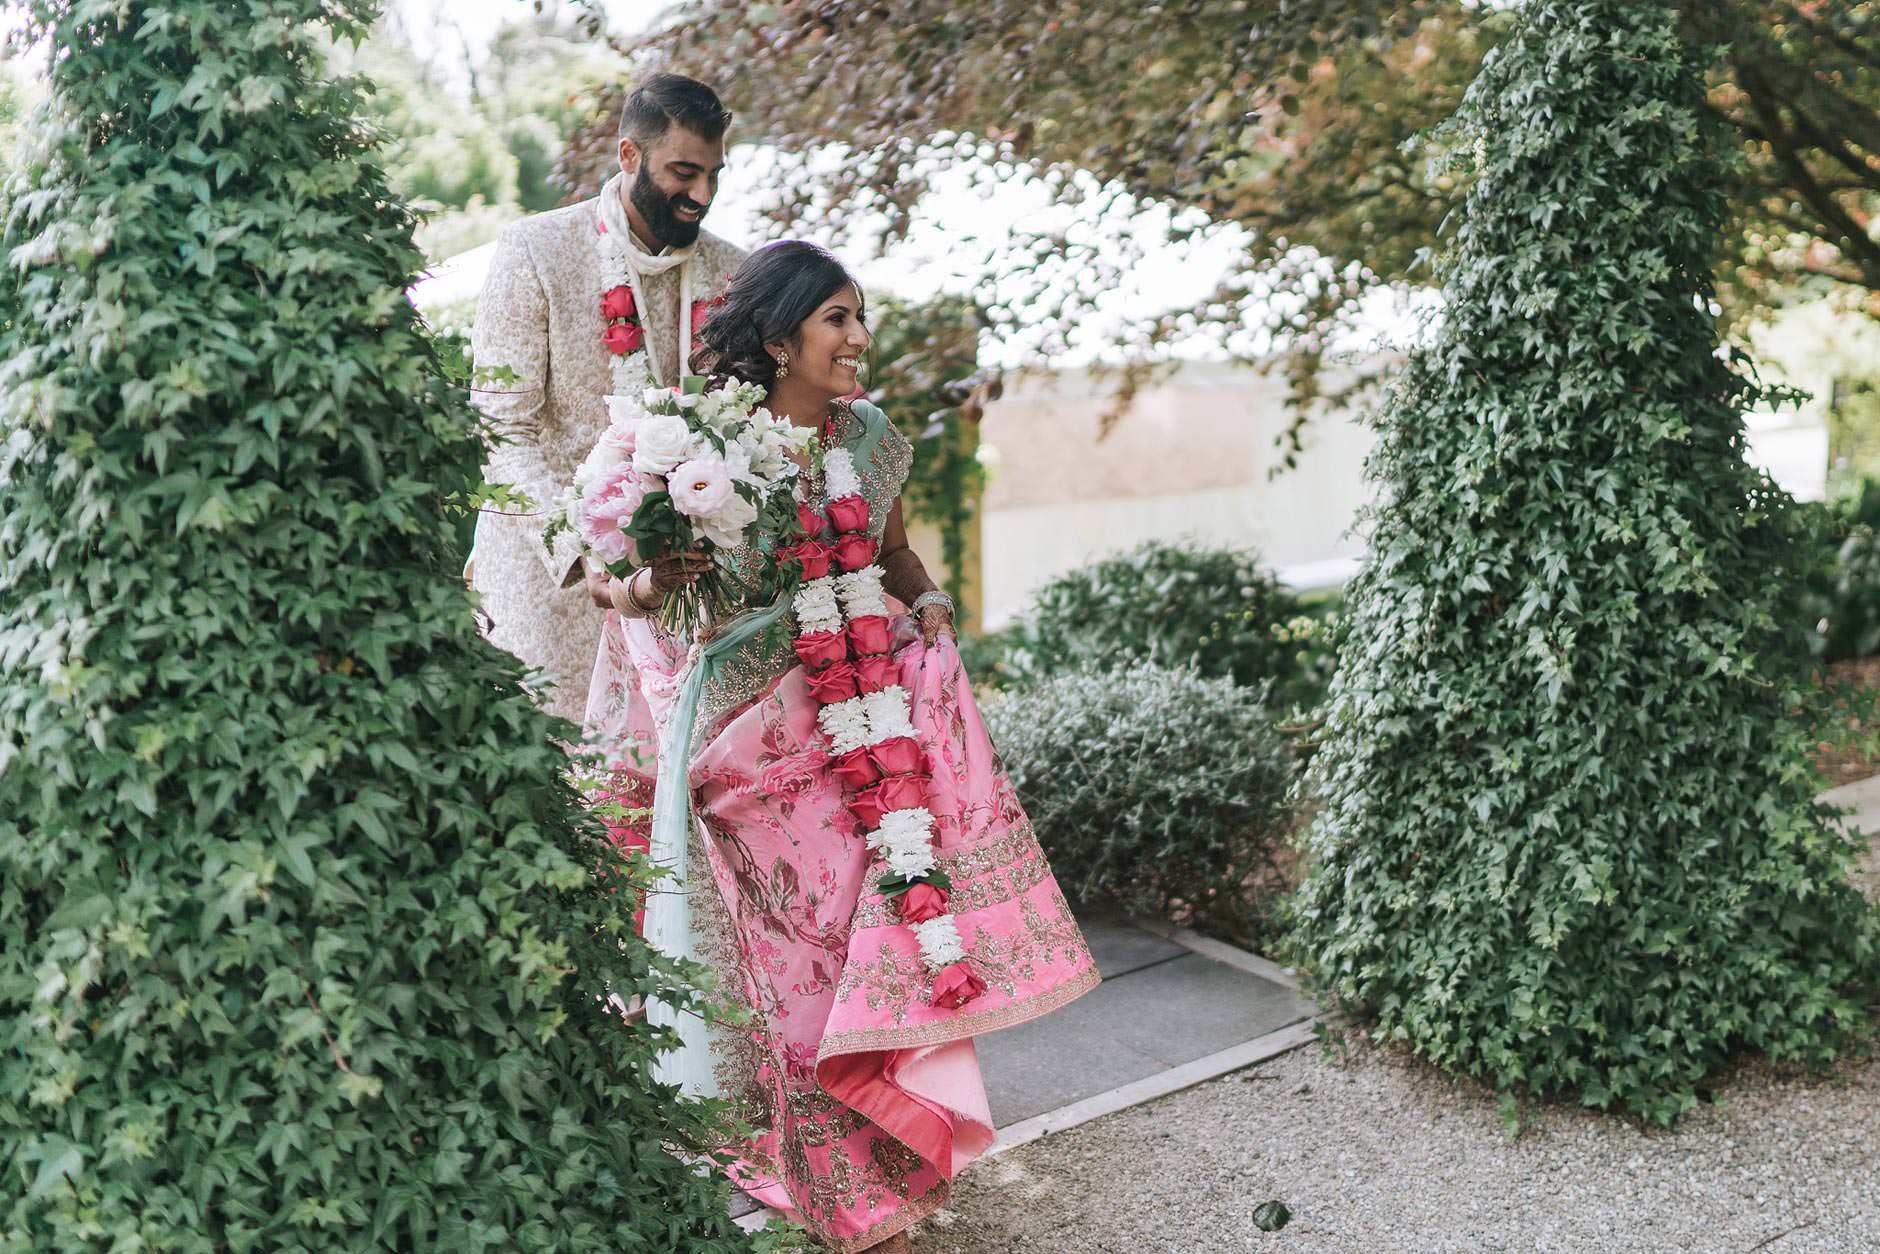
[(512, 330)]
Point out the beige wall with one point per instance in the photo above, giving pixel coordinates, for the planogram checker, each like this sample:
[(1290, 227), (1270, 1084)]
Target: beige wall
[(1189, 458)]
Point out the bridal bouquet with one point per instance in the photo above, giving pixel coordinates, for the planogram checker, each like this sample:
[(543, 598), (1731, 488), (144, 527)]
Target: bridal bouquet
[(685, 468)]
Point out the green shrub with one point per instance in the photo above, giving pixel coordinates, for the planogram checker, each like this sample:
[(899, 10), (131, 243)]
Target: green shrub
[(1175, 604), (1156, 788), (1841, 592), (302, 926), (1568, 838)]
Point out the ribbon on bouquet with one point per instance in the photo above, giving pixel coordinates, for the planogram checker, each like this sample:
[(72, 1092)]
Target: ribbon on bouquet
[(669, 920)]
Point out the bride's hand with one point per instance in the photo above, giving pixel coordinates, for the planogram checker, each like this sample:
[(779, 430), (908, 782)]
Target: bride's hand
[(680, 570), (932, 621)]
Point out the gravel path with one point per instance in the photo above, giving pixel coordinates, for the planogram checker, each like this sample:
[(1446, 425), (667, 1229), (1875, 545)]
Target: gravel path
[(1376, 1152)]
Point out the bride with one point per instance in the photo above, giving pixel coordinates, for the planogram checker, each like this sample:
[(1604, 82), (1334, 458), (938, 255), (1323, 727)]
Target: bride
[(855, 1065)]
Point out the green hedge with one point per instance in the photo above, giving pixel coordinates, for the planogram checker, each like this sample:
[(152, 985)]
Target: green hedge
[(1155, 788), (1172, 603), (302, 928), (1568, 839)]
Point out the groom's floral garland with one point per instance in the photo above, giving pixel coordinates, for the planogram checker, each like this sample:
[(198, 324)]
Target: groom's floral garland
[(842, 621), (623, 334)]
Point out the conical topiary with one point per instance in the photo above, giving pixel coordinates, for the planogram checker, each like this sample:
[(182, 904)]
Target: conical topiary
[(1568, 839), (301, 931)]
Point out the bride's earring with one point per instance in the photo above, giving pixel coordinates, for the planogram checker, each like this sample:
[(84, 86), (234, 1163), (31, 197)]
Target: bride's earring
[(783, 364)]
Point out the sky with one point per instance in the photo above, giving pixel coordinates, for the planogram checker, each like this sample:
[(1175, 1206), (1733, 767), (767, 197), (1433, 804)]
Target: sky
[(954, 231)]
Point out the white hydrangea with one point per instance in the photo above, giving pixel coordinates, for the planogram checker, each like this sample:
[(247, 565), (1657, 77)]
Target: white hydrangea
[(861, 593), (887, 714), (940, 944), (815, 606), (845, 723), (839, 474)]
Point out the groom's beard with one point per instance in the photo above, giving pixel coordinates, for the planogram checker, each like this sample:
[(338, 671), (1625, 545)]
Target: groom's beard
[(656, 209)]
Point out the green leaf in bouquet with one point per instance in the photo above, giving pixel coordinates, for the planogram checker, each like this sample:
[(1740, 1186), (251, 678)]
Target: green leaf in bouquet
[(692, 385)]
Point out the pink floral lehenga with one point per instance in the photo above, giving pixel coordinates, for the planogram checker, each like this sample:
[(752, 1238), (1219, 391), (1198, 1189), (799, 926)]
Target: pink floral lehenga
[(867, 1097)]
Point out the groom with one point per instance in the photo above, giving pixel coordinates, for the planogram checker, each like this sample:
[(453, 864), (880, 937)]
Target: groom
[(596, 298)]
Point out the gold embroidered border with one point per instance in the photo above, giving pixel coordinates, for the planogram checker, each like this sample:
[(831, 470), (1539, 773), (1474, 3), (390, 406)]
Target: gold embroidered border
[(1011, 1014), (983, 876), (910, 1212)]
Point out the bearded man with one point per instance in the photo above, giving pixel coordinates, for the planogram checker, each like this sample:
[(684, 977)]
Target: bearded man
[(597, 298)]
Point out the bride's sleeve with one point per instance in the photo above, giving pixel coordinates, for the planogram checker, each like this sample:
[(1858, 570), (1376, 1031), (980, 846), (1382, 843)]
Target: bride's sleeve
[(512, 330)]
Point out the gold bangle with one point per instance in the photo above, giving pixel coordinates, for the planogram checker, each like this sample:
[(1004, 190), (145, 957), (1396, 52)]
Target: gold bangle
[(633, 597)]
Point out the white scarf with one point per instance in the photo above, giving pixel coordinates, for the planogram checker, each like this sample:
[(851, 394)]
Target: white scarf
[(613, 212)]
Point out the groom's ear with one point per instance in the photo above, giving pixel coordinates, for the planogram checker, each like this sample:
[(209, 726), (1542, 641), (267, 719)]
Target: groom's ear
[(629, 155)]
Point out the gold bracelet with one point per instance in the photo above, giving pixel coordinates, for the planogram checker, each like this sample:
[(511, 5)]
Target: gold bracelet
[(633, 598)]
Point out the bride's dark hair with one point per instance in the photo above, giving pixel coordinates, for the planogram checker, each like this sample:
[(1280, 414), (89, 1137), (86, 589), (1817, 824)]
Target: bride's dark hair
[(766, 299)]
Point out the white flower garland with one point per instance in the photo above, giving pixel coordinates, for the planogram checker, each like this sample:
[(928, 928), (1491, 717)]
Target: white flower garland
[(861, 593), (904, 839)]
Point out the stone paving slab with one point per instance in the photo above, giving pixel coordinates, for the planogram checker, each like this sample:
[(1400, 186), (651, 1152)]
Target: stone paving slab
[(1127, 1029)]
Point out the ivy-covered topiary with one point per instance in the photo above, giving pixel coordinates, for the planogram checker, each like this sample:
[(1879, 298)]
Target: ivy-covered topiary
[(1568, 839), (302, 933)]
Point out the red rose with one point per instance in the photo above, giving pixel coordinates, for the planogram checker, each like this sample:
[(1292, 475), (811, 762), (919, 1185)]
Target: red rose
[(819, 648), (809, 520), (867, 806), (900, 756), (814, 555), (855, 768), (617, 302), (833, 683), (902, 792), (923, 902), (848, 513), (876, 671), (622, 337), (854, 551), (956, 985), (869, 634)]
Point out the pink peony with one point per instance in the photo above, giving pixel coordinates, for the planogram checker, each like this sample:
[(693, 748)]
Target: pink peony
[(699, 487), (955, 985), (923, 902), (848, 513)]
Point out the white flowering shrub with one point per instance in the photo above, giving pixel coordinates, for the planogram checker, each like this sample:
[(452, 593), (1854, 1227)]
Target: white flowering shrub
[(1155, 788)]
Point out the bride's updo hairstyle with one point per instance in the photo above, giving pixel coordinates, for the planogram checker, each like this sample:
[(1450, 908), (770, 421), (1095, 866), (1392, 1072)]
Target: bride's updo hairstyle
[(766, 299)]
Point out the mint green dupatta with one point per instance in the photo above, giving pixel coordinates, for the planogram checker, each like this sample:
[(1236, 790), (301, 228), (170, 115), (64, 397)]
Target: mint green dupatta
[(669, 912)]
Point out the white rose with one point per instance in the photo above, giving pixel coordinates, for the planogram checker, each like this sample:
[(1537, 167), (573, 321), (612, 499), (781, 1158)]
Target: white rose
[(725, 528), (624, 409), (661, 443)]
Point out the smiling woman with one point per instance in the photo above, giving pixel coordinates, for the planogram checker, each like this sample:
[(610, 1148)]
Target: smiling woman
[(866, 883)]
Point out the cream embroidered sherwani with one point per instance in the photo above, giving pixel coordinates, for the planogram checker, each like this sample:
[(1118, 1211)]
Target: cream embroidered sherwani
[(540, 315)]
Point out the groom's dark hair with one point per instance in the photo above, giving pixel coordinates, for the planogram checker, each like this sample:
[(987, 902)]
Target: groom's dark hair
[(665, 100)]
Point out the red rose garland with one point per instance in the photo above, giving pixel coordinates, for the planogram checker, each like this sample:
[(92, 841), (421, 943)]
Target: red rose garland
[(844, 648)]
